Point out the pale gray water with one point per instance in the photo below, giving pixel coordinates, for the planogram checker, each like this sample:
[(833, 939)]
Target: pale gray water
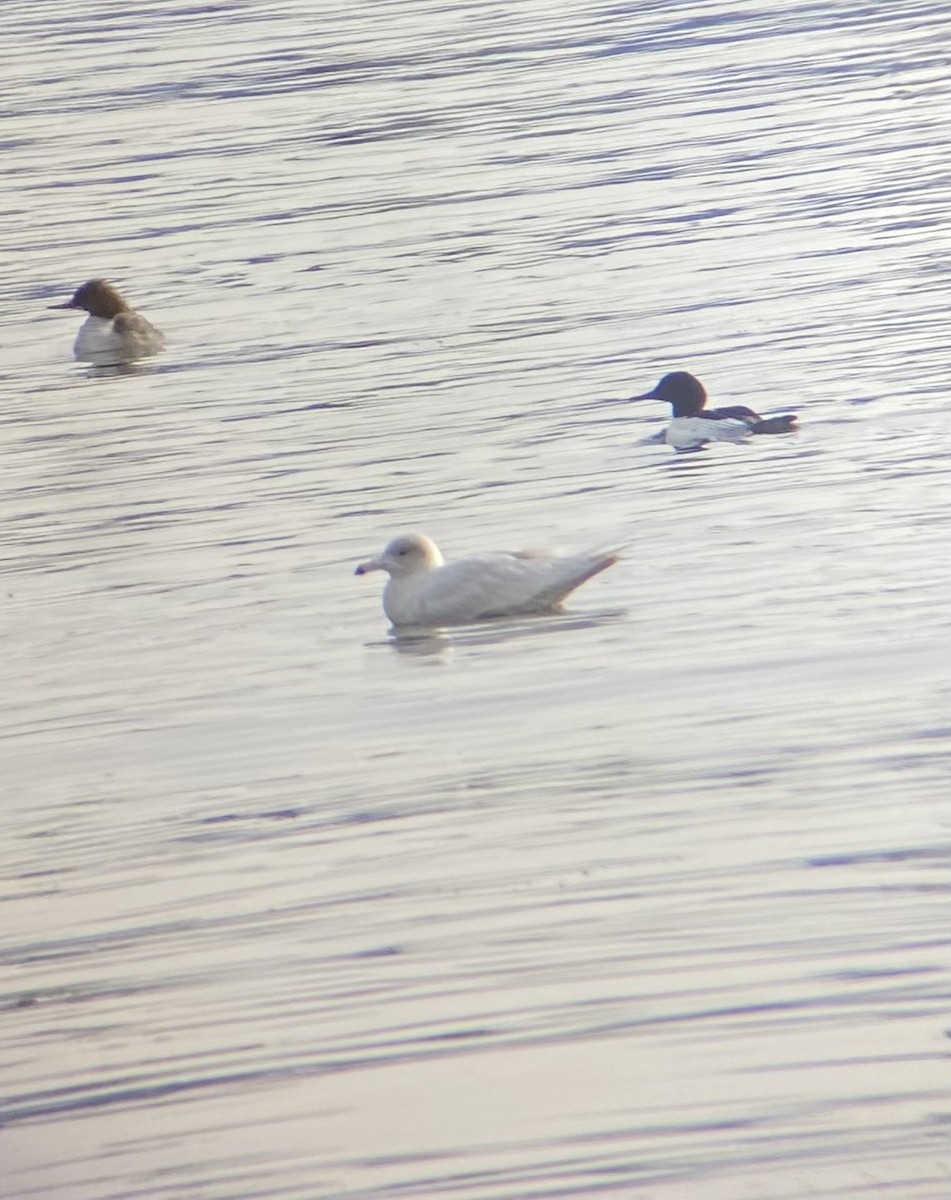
[(647, 900)]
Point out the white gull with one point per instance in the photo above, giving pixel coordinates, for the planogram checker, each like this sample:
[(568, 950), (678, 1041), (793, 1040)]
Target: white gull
[(424, 590)]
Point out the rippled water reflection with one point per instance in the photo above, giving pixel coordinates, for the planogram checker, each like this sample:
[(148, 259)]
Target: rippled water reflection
[(649, 899)]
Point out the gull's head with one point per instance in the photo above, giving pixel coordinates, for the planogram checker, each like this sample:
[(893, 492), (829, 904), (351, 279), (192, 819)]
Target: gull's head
[(407, 554)]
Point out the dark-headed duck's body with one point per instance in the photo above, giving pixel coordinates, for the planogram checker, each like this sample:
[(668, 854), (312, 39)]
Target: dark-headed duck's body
[(113, 333), (693, 424)]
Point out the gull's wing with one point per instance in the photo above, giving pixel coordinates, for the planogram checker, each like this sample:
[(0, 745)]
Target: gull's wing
[(493, 585)]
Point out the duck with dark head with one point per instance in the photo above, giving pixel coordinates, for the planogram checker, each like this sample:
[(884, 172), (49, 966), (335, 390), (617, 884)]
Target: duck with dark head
[(693, 424), (113, 333)]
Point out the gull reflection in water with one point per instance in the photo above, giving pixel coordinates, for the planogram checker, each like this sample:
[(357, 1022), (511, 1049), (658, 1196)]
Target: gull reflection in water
[(440, 644)]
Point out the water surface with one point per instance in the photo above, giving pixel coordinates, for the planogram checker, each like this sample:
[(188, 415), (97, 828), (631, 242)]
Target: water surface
[(649, 899)]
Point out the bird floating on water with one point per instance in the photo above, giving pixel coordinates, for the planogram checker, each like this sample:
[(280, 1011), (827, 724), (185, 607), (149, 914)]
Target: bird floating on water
[(113, 333), (425, 591), (693, 424)]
